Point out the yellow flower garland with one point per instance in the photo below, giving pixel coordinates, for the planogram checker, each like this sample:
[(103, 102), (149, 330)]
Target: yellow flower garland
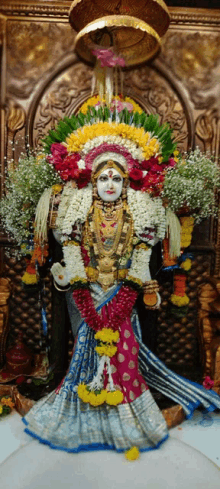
[(92, 101), (186, 265), (29, 278), (187, 223), (76, 141), (113, 398), (179, 301), (107, 335), (108, 350), (97, 399)]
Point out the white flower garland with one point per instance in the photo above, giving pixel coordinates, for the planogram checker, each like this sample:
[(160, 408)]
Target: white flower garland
[(68, 193), (136, 152), (147, 212), (140, 264), (41, 215), (77, 210), (74, 262)]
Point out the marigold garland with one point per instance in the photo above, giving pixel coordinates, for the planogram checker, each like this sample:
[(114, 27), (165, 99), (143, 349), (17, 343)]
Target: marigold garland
[(108, 350), (107, 335), (186, 264), (179, 297), (187, 223), (97, 398), (92, 397), (29, 278), (150, 146), (113, 398), (179, 301)]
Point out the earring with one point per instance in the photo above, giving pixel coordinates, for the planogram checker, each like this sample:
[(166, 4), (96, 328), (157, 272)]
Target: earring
[(124, 189), (95, 192)]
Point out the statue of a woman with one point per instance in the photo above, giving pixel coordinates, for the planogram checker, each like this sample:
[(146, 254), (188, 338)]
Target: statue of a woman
[(104, 400)]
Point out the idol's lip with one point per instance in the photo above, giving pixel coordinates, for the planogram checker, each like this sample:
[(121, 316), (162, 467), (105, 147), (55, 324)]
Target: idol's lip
[(110, 192)]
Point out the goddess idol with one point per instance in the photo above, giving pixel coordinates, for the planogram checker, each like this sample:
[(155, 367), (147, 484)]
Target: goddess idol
[(110, 214)]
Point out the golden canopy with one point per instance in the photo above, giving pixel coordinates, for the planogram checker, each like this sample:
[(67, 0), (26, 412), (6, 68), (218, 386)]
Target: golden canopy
[(153, 12), (132, 38), (131, 27)]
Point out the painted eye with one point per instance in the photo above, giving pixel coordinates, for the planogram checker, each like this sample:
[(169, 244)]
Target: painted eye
[(103, 178), (117, 179)]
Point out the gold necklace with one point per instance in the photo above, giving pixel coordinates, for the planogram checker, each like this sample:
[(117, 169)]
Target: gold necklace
[(106, 270)]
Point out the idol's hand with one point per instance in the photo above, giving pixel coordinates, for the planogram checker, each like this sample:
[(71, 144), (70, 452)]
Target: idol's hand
[(60, 274)]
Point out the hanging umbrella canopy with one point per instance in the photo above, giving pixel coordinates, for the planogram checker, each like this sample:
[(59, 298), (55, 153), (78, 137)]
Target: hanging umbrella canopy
[(133, 39), (152, 12)]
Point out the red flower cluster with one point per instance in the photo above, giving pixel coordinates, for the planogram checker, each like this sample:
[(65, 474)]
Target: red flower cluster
[(67, 165), (208, 383), (119, 308), (152, 182), (136, 178), (68, 169)]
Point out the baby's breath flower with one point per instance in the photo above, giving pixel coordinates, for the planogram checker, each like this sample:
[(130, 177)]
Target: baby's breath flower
[(192, 183), (24, 185)]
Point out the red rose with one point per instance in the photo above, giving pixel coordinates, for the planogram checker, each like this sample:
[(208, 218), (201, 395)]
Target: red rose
[(148, 164), (71, 160), (84, 178), (136, 174), (137, 184), (155, 168), (58, 166), (58, 149)]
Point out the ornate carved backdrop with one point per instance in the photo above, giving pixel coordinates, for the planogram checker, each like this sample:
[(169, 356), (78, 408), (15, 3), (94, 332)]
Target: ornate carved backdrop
[(43, 80)]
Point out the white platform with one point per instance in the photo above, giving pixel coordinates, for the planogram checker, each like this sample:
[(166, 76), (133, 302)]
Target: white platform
[(190, 459)]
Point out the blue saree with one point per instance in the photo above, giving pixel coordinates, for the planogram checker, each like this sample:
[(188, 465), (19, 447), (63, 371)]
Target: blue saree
[(63, 421)]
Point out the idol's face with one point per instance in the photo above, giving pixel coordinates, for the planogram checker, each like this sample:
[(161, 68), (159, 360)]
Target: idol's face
[(109, 185)]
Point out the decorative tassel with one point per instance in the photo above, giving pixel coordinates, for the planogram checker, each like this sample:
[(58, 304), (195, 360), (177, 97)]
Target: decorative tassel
[(174, 233), (41, 216), (167, 260)]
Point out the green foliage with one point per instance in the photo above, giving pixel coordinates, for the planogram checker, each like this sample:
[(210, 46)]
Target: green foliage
[(150, 123)]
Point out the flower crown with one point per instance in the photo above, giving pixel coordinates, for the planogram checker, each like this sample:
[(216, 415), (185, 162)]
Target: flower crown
[(121, 132)]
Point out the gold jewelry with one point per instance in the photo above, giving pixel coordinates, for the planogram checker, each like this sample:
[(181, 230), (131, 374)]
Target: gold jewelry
[(151, 287), (108, 235), (60, 290), (108, 164)]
